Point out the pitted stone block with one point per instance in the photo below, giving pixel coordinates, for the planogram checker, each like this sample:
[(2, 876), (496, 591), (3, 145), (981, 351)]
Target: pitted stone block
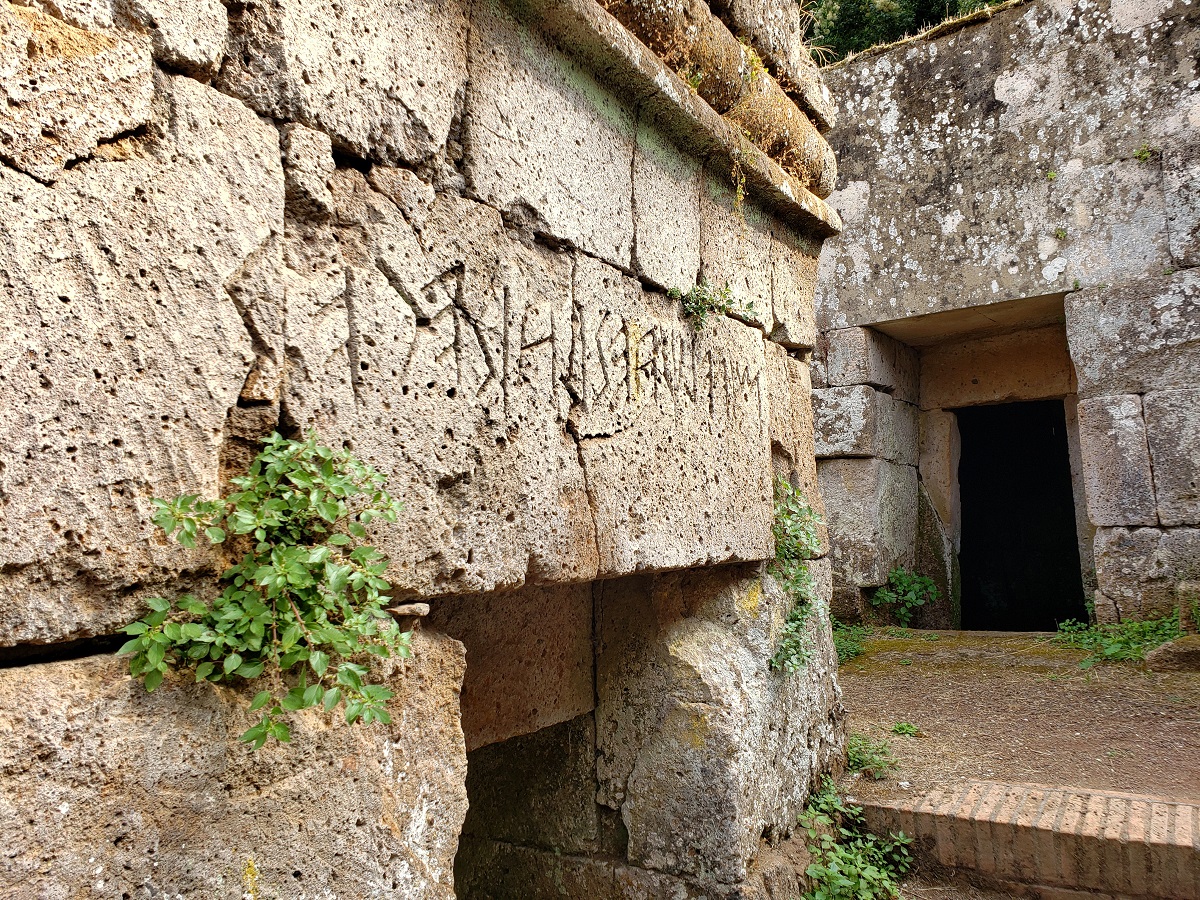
[(1116, 461)]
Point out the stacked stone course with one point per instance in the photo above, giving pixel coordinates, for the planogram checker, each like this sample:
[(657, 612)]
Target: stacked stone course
[(441, 234)]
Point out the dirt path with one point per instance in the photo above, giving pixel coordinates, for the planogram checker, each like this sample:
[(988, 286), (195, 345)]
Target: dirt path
[(1014, 707)]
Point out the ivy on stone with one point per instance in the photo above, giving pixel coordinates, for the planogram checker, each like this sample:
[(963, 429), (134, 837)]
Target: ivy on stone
[(797, 540), (305, 605)]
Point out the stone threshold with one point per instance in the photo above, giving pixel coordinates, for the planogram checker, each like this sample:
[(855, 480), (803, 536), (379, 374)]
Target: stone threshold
[(1054, 842), (602, 45)]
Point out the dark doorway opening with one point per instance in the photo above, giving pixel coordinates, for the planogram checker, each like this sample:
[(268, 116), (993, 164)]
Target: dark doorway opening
[(1019, 554)]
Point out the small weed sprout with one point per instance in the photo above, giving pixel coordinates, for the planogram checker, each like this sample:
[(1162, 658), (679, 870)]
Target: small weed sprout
[(907, 728), (1145, 153), (850, 863), (873, 758), (1118, 642), (1075, 285), (1051, 175), (303, 599), (904, 593), (1060, 233), (797, 540)]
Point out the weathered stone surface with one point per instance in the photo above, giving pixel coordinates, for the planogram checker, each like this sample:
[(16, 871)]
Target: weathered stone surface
[(941, 450), (379, 77), (572, 178), (1140, 570), (529, 658), (789, 392), (666, 211), (86, 14), (936, 558), (947, 148), (307, 167), (188, 36), (121, 356), (689, 424), (1026, 365), (111, 791), (1179, 655), (701, 746), (1173, 432), (735, 250), (864, 356), (1137, 337), (1085, 531), (538, 789), (794, 260), (872, 511), (1180, 159), (1116, 461), (861, 421), (66, 90)]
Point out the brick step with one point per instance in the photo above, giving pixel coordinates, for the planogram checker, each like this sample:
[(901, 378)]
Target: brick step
[(1056, 841)]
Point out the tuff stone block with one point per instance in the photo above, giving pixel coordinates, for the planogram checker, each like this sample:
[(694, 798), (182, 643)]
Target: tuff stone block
[(112, 790), (940, 451), (735, 250), (187, 37), (572, 178), (689, 714), (66, 90), (865, 356), (530, 659), (1116, 462), (1173, 431), (794, 260), (666, 210), (291, 59), (1140, 570), (1137, 337), (124, 351), (861, 421), (872, 511)]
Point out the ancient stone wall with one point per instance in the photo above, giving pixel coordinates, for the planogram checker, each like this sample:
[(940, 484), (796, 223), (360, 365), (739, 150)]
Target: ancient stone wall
[(442, 235), (1020, 209)]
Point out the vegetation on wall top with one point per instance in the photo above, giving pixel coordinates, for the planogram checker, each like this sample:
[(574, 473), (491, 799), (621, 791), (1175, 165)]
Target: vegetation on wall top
[(843, 27)]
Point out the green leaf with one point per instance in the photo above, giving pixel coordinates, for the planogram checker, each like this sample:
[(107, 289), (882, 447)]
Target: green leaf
[(204, 670), (333, 697), (312, 695), (250, 669), (261, 699), (136, 628), (319, 662), (159, 604), (153, 679), (348, 677), (130, 646), (155, 653), (173, 631), (232, 661), (214, 534)]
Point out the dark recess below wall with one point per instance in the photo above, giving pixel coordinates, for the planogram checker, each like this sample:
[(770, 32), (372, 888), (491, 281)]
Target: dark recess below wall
[(1019, 556)]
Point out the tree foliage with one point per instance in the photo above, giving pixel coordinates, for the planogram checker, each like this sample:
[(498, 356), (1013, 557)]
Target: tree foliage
[(842, 27)]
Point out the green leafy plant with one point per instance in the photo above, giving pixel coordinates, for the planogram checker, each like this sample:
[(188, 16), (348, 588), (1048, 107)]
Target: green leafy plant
[(904, 593), (872, 758), (930, 636), (797, 540), (1060, 233), (1051, 175), (850, 863), (905, 728), (305, 599), (1118, 642), (1145, 153), (849, 640), (704, 300)]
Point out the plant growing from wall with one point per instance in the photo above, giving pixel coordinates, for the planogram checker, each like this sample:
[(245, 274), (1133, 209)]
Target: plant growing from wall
[(797, 540), (1119, 641), (904, 593), (305, 600), (705, 300), (850, 863)]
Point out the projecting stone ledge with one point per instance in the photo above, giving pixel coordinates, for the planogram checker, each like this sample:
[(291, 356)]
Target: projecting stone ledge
[(603, 46)]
